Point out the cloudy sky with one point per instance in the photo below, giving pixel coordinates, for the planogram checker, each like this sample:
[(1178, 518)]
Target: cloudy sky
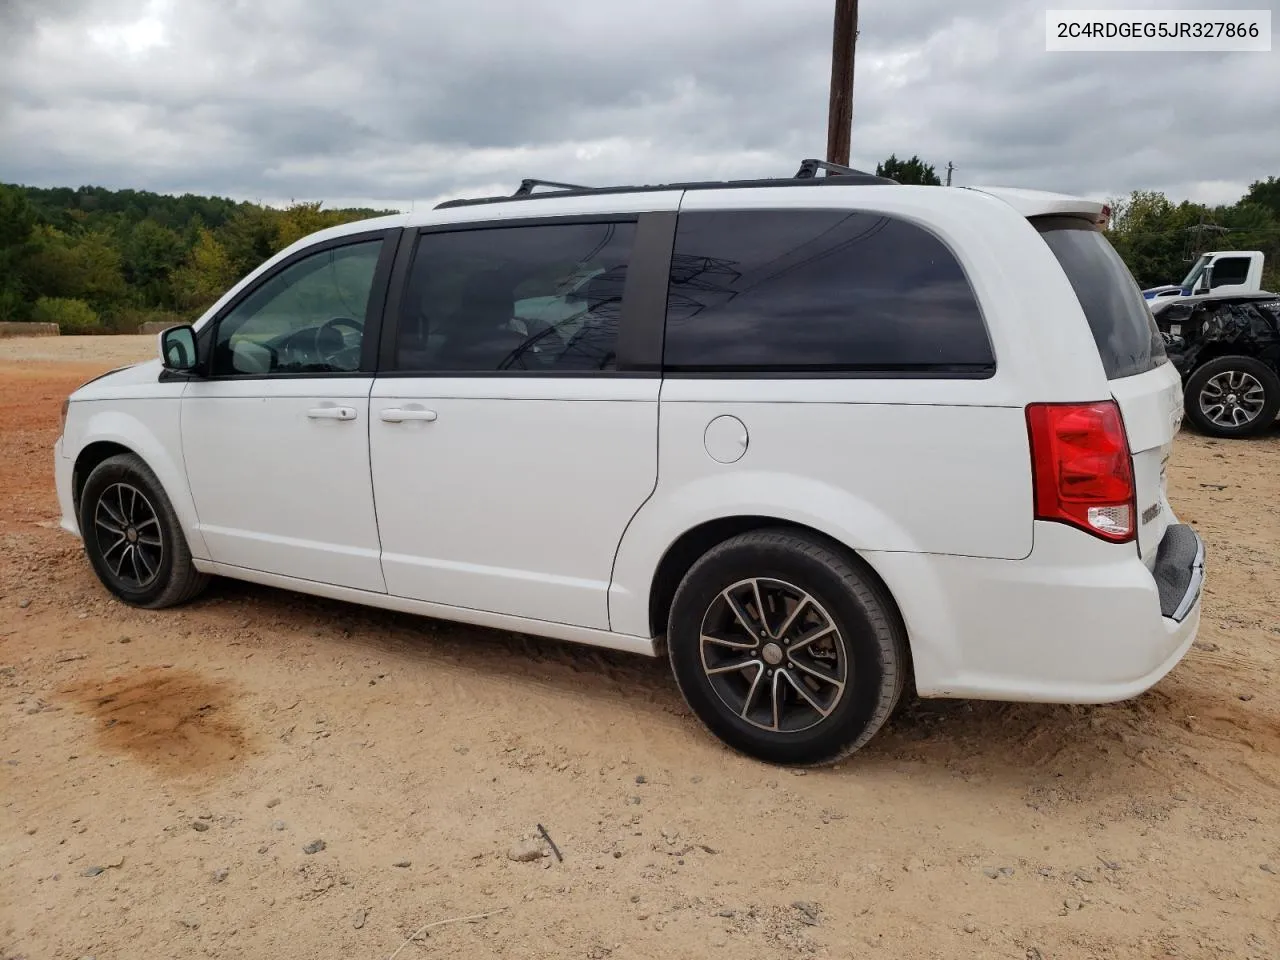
[(393, 102)]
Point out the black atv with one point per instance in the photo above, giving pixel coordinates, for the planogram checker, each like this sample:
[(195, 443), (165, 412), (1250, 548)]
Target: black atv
[(1227, 349)]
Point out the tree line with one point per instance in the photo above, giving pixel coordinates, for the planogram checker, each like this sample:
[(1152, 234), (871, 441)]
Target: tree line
[(94, 260), (1160, 239)]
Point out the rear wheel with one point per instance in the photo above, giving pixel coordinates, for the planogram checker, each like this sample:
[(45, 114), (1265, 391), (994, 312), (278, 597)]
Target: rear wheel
[(1233, 397), (132, 536), (784, 649)]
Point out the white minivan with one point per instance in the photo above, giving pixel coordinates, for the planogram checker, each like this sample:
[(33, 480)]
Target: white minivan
[(808, 436)]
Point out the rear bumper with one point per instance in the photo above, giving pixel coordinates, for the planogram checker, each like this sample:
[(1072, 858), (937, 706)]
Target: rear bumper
[(1078, 621), (1179, 571)]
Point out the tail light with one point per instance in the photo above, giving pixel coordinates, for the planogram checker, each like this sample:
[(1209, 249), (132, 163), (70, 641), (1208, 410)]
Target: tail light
[(1081, 469)]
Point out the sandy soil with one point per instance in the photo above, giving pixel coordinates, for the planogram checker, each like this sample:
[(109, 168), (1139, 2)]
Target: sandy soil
[(163, 772), (105, 352)]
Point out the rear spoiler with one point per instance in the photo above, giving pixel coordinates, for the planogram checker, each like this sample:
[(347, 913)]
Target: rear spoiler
[(1040, 203)]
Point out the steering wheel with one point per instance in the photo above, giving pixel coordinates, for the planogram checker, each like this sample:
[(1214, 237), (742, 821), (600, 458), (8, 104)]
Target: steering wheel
[(330, 343)]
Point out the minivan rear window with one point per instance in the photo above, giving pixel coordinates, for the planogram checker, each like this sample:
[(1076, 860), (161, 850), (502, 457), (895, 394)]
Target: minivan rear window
[(1123, 328)]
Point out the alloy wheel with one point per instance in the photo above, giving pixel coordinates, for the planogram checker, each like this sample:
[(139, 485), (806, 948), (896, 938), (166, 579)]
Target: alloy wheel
[(774, 655), (1232, 398), (128, 533)]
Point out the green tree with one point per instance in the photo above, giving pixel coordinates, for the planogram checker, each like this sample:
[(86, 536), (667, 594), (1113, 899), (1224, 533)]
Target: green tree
[(250, 237), (301, 219), (205, 275), (17, 218), (914, 170), (71, 316), (1157, 238), (151, 254), (17, 222), (85, 267), (1265, 193)]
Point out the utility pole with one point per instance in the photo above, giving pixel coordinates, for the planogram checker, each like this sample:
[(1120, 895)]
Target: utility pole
[(950, 166), (840, 110)]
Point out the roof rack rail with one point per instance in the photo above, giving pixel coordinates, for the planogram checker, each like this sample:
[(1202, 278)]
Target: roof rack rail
[(526, 186), (806, 176), (809, 168)]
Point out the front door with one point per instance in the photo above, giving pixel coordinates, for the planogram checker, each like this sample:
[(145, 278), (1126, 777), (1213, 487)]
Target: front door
[(509, 451), (276, 438)]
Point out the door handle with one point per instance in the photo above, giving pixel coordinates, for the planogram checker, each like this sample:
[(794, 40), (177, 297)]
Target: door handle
[(399, 415), (332, 413)]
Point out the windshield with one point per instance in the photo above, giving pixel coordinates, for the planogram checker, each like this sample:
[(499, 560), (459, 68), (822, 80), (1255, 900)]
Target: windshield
[(1189, 281)]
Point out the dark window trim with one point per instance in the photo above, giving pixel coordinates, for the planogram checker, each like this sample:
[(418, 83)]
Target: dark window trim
[(374, 310), (640, 325), (915, 371), (941, 371)]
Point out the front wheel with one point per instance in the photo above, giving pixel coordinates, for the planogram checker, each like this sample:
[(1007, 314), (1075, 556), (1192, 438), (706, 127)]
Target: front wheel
[(784, 649), (1232, 397), (132, 536)]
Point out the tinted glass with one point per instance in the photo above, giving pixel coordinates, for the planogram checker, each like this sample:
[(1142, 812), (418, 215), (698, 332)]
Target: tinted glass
[(1230, 271), (534, 298), (308, 318), (1123, 327), (818, 290)]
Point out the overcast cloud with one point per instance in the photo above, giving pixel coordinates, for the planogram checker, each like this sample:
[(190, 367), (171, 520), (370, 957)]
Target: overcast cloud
[(388, 102)]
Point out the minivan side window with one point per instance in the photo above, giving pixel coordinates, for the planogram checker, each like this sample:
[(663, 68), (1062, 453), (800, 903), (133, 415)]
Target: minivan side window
[(307, 318), (819, 291), (537, 298)]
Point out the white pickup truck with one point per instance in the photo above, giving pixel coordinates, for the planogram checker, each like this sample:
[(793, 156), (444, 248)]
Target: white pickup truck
[(1220, 272)]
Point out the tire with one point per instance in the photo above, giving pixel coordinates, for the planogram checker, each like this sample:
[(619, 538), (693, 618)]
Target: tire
[(855, 695), (1258, 387), (132, 536)]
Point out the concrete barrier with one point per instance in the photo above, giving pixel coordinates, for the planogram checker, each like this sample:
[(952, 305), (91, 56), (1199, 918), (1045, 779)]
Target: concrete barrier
[(28, 329)]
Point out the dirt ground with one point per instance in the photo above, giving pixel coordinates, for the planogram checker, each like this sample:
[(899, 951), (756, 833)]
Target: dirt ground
[(164, 773)]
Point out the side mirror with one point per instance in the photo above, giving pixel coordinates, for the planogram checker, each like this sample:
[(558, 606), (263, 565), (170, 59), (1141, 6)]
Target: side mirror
[(178, 348), (1206, 279)]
